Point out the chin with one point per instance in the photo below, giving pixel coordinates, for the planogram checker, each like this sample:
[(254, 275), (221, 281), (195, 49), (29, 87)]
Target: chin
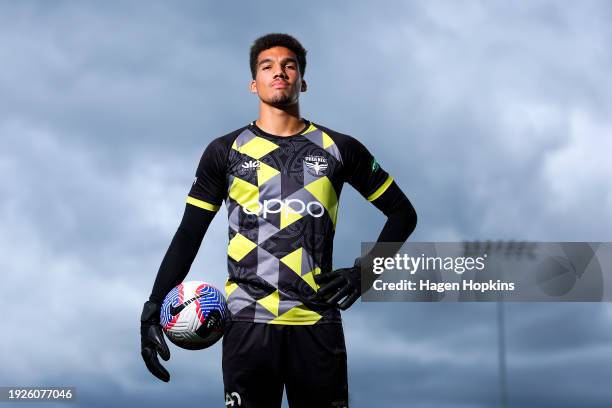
[(281, 101)]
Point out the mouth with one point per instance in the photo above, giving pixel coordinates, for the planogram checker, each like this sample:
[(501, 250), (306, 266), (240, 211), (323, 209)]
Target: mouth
[(278, 84)]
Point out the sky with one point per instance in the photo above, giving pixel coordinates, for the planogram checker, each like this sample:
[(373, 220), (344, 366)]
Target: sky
[(495, 118)]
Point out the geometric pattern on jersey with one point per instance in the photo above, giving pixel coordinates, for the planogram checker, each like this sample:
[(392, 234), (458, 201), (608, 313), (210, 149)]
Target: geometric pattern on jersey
[(282, 210), (282, 204)]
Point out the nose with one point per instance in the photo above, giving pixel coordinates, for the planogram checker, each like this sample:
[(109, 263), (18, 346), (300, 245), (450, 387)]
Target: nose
[(280, 72)]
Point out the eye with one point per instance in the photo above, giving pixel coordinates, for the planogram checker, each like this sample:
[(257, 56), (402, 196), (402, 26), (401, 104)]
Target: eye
[(265, 67)]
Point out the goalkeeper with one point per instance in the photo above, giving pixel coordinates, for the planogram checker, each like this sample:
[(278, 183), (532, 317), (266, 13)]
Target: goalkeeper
[(280, 178)]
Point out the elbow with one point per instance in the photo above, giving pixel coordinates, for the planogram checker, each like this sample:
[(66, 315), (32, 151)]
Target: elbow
[(399, 211), (412, 219), (405, 215)]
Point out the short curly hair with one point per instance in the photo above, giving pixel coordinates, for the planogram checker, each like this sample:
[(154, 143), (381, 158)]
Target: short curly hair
[(277, 40)]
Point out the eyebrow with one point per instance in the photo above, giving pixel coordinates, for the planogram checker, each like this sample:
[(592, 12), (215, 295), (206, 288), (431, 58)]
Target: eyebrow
[(284, 60)]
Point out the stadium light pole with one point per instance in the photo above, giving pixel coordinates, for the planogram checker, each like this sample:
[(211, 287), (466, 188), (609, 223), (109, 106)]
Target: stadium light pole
[(500, 248), (501, 353)]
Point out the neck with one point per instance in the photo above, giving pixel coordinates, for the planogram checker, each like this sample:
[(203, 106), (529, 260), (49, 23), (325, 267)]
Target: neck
[(283, 121)]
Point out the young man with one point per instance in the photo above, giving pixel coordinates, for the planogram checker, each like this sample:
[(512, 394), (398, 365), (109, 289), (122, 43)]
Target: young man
[(280, 178)]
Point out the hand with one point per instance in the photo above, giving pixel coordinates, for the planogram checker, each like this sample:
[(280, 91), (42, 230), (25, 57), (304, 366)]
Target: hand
[(152, 341), (339, 284)]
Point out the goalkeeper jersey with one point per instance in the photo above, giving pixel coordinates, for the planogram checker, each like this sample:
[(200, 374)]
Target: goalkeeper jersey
[(282, 195)]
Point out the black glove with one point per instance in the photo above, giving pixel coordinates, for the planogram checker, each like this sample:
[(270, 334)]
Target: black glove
[(338, 284), (152, 341)]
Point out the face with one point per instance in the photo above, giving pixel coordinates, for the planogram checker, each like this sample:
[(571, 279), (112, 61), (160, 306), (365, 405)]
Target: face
[(278, 81)]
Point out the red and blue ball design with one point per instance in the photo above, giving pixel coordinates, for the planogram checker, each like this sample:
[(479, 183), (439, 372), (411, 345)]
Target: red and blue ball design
[(194, 315)]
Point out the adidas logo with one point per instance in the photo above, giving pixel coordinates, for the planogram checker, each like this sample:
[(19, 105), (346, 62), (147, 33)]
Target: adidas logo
[(250, 165)]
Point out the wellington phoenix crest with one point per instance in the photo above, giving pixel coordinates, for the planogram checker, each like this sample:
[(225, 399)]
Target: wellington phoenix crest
[(316, 165)]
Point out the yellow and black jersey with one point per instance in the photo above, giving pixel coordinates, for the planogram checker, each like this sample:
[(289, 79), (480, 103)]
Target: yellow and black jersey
[(282, 196)]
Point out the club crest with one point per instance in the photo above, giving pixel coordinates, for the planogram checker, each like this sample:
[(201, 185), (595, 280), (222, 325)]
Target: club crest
[(316, 165)]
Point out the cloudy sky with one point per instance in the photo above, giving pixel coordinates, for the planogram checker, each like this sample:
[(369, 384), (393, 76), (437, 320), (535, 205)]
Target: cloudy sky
[(494, 117)]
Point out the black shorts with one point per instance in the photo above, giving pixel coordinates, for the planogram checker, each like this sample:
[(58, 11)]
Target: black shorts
[(260, 358)]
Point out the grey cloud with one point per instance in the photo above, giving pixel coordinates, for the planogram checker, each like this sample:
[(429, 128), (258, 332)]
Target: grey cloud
[(492, 116)]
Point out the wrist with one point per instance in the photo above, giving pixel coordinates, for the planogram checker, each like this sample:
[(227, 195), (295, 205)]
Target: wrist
[(150, 312)]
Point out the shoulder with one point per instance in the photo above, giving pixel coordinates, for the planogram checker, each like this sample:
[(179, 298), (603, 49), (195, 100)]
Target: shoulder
[(337, 137), (347, 144), (217, 151), (227, 139), (220, 146)]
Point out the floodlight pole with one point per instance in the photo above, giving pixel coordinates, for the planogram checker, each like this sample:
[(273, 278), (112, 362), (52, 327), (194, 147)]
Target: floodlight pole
[(501, 348)]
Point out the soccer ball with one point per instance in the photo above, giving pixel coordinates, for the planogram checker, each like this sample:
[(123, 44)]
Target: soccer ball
[(194, 315)]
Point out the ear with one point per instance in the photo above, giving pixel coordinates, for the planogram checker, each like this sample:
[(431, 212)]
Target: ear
[(304, 86), (253, 87)]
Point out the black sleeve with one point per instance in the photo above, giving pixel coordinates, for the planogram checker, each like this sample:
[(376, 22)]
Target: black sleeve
[(401, 215), (204, 199), (366, 175), (362, 170), (182, 251), (209, 187), (401, 222)]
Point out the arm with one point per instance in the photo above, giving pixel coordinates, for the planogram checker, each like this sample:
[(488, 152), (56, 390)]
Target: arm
[(203, 201), (208, 190), (182, 251), (349, 283), (377, 186), (401, 222), (173, 269)]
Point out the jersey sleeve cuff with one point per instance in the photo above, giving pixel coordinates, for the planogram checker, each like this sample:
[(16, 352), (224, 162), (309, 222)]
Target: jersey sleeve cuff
[(380, 190), (202, 204)]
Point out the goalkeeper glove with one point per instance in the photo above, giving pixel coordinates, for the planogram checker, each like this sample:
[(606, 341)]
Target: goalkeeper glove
[(152, 341), (341, 283)]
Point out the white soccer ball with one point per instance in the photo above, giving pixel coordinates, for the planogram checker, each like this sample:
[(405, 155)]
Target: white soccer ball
[(194, 315)]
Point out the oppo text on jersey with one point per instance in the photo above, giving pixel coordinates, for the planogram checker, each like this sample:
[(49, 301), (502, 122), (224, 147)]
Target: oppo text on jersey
[(275, 205)]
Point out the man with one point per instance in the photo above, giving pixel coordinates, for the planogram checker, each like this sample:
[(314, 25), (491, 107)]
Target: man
[(280, 177)]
